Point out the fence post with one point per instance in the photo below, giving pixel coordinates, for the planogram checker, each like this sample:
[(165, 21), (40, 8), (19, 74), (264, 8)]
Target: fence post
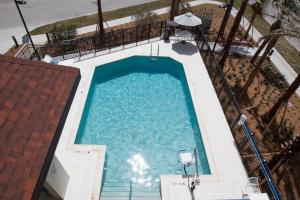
[(136, 36), (221, 89), (149, 29), (160, 30), (123, 37), (227, 104), (202, 44), (15, 41), (48, 38)]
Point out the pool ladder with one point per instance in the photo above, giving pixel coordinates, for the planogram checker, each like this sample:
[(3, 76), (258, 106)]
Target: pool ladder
[(156, 52)]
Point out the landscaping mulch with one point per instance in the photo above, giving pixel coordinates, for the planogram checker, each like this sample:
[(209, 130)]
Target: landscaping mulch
[(217, 14), (266, 88)]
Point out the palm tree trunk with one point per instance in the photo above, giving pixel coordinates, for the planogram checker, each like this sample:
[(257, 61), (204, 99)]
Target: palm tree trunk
[(100, 18), (172, 11), (268, 116), (225, 19), (275, 26), (260, 48), (271, 44), (224, 23), (290, 148), (232, 33), (250, 25)]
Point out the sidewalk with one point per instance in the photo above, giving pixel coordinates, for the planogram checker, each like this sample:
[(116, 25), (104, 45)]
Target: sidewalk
[(273, 11), (284, 68)]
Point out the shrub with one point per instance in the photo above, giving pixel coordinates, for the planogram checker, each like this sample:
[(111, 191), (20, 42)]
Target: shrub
[(183, 7), (60, 32), (143, 17)]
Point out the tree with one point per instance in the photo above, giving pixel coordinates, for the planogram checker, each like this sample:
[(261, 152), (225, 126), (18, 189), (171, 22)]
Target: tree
[(253, 74), (288, 150), (275, 26), (232, 33), (172, 11), (100, 18), (182, 7), (269, 116), (224, 22), (282, 27), (143, 17), (226, 18), (179, 7), (257, 10), (61, 32)]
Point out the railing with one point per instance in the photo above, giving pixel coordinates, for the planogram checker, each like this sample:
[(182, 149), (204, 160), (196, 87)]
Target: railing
[(127, 190), (105, 41), (245, 142), (27, 51)]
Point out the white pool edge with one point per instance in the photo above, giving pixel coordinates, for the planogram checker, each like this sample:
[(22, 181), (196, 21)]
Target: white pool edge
[(87, 68)]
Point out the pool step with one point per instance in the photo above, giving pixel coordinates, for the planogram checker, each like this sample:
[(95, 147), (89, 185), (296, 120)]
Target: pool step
[(127, 191)]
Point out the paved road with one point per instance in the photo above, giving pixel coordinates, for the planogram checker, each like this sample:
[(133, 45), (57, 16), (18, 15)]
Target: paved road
[(40, 12)]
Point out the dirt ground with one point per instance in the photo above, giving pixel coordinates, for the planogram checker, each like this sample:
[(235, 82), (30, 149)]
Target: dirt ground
[(266, 88), (217, 17)]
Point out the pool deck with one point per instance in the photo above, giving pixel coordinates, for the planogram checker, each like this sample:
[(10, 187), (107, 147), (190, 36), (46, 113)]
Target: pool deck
[(228, 179)]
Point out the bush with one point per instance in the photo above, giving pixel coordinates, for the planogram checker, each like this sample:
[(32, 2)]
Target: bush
[(60, 32), (143, 17), (183, 7)]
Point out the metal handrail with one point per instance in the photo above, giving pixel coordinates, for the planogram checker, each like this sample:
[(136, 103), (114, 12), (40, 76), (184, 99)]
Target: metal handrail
[(262, 162)]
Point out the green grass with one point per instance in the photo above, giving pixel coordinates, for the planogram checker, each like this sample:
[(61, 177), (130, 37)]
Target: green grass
[(109, 15), (288, 51)]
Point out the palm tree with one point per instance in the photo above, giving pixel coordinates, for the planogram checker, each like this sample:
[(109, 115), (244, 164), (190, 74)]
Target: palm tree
[(257, 10), (232, 33), (275, 26), (100, 18), (282, 28), (172, 11), (224, 23), (288, 150), (269, 116), (253, 74)]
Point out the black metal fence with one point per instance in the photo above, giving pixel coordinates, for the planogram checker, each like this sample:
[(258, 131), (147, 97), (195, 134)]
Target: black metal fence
[(105, 41), (245, 142)]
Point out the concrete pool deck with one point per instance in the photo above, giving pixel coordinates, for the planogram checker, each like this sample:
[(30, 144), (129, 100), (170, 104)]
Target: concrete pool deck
[(228, 177)]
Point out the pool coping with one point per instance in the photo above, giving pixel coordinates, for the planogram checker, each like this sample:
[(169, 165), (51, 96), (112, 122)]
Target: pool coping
[(87, 66)]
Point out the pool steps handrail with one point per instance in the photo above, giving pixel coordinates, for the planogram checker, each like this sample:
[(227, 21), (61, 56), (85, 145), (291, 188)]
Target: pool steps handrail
[(116, 190), (151, 52)]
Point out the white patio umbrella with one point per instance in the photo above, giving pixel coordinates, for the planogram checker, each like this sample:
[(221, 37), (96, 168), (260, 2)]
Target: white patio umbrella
[(188, 19)]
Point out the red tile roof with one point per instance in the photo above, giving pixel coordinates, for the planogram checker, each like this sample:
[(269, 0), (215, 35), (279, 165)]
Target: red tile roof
[(35, 98)]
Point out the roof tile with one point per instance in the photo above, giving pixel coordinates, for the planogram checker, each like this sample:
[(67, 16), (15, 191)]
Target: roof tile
[(33, 97), (4, 178)]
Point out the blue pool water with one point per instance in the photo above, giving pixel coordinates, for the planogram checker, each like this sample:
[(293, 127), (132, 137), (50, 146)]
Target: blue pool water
[(142, 110)]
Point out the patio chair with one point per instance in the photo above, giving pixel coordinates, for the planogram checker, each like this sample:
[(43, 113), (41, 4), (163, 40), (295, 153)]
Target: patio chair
[(177, 33), (252, 185)]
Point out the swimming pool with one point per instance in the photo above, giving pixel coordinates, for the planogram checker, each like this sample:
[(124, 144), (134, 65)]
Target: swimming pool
[(141, 109)]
